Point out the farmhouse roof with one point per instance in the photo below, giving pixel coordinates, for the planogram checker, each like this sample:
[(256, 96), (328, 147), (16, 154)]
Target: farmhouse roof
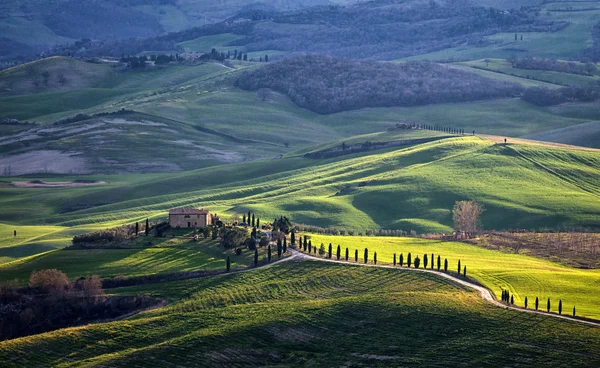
[(188, 211)]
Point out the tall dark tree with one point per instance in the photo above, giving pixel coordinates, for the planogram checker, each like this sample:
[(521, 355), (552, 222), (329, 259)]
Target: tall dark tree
[(248, 217), (439, 262), (526, 301), (339, 252), (284, 245), (548, 305), (147, 227), (293, 237), (244, 219), (254, 233), (137, 228), (394, 259), (347, 254), (560, 306), (279, 247), (366, 255), (356, 255), (401, 260), (309, 245), (417, 262), (432, 259), (256, 257), (459, 266), (445, 264), (574, 311), (253, 221), (228, 264), (267, 58), (258, 222), (408, 260), (537, 303), (329, 254), (269, 253), (465, 271), (512, 299), (425, 261)]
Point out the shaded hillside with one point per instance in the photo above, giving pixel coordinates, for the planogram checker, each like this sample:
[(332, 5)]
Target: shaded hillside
[(326, 85)]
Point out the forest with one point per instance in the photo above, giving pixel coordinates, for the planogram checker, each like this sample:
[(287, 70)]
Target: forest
[(536, 63), (327, 85)]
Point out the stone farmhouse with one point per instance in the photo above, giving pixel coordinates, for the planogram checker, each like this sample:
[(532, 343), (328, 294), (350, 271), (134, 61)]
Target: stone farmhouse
[(190, 218)]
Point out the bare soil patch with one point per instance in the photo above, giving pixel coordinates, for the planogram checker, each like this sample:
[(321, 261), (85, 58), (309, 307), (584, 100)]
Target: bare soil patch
[(57, 184)]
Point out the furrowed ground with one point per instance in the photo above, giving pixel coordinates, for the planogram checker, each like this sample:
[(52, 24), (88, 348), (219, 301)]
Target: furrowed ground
[(522, 275), (315, 314)]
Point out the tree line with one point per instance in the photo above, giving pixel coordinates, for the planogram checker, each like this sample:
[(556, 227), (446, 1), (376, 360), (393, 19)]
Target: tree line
[(537, 63), (327, 85), (509, 299)]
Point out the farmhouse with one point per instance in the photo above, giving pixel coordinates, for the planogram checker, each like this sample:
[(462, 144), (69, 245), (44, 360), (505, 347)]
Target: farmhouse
[(189, 217)]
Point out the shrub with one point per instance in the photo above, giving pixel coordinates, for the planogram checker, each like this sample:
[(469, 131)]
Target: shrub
[(233, 237), (50, 281), (417, 262)]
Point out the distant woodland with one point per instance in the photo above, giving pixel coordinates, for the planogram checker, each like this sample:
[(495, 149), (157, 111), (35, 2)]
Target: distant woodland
[(326, 84)]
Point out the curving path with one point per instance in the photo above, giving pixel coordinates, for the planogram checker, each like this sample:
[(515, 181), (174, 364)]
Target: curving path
[(484, 292)]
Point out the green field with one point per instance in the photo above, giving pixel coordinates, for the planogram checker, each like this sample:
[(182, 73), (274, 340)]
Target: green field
[(178, 254), (522, 275), (315, 314)]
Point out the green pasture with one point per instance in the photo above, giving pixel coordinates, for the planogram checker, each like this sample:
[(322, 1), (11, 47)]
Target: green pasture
[(165, 255), (315, 314), (522, 275)]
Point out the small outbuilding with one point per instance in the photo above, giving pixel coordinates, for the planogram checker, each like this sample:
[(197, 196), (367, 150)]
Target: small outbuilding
[(190, 218)]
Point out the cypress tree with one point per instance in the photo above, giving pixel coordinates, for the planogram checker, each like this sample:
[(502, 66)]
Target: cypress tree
[(439, 262), (512, 299), (315, 250), (330, 251), (269, 253), (537, 303), (401, 260), (248, 217), (408, 260), (459, 267), (573, 311), (465, 272), (526, 302), (425, 261), (548, 305), (445, 264), (366, 255), (279, 248), (244, 218), (293, 237), (347, 254), (258, 222), (253, 221), (560, 306), (137, 228), (394, 259), (375, 258), (305, 243), (228, 264), (309, 245), (417, 262), (256, 257), (147, 227), (284, 245), (432, 259), (356, 255), (339, 252)]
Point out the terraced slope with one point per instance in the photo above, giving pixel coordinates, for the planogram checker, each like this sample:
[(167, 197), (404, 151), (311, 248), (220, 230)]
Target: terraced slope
[(308, 313)]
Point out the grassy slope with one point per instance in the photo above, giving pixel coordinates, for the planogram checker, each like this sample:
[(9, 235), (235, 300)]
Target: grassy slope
[(410, 188), (563, 44), (313, 314), (522, 275), (166, 255), (553, 79)]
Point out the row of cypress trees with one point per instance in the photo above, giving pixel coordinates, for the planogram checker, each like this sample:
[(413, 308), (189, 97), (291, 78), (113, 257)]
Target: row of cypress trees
[(508, 298)]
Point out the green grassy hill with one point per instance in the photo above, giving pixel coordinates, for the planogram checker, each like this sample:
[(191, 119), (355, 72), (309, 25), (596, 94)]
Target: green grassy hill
[(310, 313), (522, 275)]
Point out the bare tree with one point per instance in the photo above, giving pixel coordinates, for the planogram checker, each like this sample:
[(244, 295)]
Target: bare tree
[(62, 79), (46, 76), (263, 94), (466, 216)]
